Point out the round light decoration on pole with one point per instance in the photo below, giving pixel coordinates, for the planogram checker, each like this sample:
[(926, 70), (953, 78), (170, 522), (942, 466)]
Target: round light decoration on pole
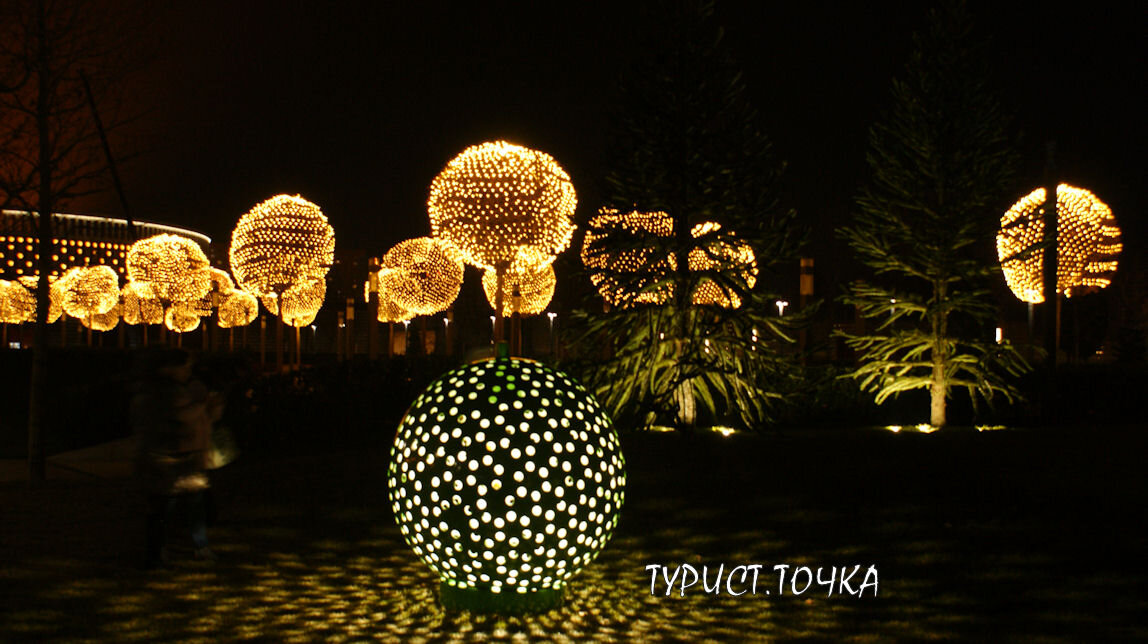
[(181, 318), (725, 255), (168, 268), (1088, 243), (103, 321), (627, 275), (422, 275), (281, 242), (17, 304), (502, 204), (137, 309), (238, 308), (506, 478), (90, 290), (533, 285)]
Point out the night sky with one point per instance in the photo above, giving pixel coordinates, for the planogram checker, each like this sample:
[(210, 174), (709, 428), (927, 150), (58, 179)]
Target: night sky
[(357, 106)]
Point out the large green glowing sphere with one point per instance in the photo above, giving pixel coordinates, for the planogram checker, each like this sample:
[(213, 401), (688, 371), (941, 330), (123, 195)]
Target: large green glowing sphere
[(506, 478)]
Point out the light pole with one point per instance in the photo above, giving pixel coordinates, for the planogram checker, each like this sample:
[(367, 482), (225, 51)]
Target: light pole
[(553, 341), (781, 304)]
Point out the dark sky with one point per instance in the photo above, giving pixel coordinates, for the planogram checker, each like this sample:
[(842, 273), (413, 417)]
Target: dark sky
[(357, 106)]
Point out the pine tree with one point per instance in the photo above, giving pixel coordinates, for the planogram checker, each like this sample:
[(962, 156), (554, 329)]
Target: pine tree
[(940, 160), (687, 142)]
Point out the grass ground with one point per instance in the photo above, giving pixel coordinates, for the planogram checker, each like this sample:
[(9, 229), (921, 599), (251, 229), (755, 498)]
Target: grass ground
[(1024, 535)]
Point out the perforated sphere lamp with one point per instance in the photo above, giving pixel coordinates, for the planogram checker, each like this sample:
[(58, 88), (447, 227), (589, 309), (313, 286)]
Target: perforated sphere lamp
[(506, 478)]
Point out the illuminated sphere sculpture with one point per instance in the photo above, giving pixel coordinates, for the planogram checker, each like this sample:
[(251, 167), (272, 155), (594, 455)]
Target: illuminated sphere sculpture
[(103, 321), (139, 310), (1088, 243), (388, 310), (726, 256), (55, 295), (17, 304), (506, 478), (301, 303), (628, 274), (181, 318), (534, 286), (424, 275), (90, 290), (168, 268), (238, 308), (499, 203), (281, 242)]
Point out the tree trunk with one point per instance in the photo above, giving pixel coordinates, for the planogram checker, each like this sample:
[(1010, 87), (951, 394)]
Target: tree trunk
[(937, 396)]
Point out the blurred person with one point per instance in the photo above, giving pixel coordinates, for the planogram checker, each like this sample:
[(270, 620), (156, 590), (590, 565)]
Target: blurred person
[(170, 418)]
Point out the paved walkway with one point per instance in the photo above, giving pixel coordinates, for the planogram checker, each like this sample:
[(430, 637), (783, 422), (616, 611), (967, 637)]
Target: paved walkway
[(105, 461)]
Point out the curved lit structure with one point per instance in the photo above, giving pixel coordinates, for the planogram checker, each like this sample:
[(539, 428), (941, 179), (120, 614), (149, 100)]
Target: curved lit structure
[(279, 243), (499, 203), (526, 290), (421, 275), (1088, 244), (506, 478)]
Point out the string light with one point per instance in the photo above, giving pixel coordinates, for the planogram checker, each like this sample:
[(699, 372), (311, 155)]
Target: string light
[(55, 295), (139, 310), (238, 308), (301, 303), (534, 287), (499, 203), (168, 268), (1088, 243), (389, 311), (89, 290), (506, 478), (279, 243), (422, 275)]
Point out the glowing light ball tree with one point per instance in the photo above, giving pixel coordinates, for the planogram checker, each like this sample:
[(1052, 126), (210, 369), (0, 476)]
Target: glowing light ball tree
[(168, 269), (181, 318), (90, 290), (501, 203), (635, 271), (506, 478), (281, 243), (55, 295), (17, 304), (1088, 243), (238, 308), (718, 259), (103, 321), (424, 275), (533, 285), (137, 309)]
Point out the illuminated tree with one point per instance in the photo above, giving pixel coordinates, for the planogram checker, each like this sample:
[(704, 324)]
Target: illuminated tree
[(687, 143), (1088, 243), (182, 317), (55, 295), (279, 243), (17, 304), (502, 204), (299, 305), (939, 162), (90, 290), (526, 290), (389, 311), (422, 275), (103, 321), (169, 269), (139, 310), (510, 491), (238, 308)]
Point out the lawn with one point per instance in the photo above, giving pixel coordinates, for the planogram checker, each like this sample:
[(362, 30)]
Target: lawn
[(1021, 534)]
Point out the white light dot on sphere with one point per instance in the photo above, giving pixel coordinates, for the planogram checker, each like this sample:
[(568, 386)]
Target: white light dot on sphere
[(491, 527)]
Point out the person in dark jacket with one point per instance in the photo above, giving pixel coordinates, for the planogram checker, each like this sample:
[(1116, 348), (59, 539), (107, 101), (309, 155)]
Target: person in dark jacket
[(169, 416)]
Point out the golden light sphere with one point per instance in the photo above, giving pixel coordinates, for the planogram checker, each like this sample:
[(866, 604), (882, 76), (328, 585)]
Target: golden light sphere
[(55, 295), (422, 275), (89, 290), (525, 290), (629, 272), (181, 318), (139, 310), (17, 304), (725, 255), (299, 304), (238, 308), (1088, 244), (168, 268), (281, 242), (389, 311), (104, 321), (499, 203)]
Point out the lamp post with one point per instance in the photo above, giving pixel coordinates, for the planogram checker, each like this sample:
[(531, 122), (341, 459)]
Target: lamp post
[(553, 341), (781, 304)]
